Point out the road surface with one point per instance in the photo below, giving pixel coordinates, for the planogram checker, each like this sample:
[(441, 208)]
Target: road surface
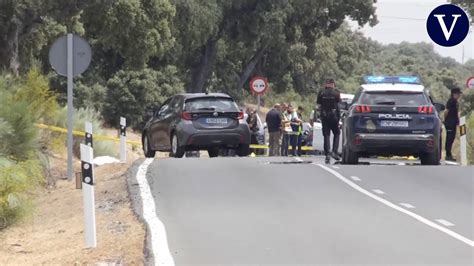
[(232, 211)]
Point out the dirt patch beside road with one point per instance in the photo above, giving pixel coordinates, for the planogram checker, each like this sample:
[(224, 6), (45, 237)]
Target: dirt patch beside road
[(54, 233)]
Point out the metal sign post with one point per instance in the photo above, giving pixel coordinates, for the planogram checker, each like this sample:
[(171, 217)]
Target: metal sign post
[(463, 141), (70, 56)]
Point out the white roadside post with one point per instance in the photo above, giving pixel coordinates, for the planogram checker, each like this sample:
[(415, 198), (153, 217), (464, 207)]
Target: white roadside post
[(463, 141), (123, 140), (88, 182)]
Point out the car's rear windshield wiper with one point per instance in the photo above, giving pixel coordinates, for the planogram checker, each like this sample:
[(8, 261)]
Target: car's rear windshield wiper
[(385, 103), (207, 109)]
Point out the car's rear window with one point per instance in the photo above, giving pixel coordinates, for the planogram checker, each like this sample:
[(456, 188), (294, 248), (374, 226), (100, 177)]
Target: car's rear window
[(393, 98), (211, 104)]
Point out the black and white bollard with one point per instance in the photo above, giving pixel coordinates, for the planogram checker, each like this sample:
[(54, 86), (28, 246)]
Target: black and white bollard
[(88, 135), (463, 140), (88, 182), (123, 140)]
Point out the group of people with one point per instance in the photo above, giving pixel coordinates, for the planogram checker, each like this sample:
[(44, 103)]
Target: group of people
[(285, 126)]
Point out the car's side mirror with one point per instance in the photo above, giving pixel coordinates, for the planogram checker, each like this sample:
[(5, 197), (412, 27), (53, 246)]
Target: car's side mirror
[(343, 106), (149, 114), (439, 107)]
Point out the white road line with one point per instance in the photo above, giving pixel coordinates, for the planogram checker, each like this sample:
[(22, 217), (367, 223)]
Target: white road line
[(159, 242), (378, 191), (444, 222), (451, 163), (407, 205), (355, 178), (396, 207), (298, 159)]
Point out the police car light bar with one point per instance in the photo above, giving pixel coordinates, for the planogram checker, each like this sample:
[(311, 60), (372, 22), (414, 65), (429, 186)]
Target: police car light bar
[(392, 79)]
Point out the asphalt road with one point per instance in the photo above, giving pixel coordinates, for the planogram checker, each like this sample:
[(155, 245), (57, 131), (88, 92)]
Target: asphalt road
[(232, 211)]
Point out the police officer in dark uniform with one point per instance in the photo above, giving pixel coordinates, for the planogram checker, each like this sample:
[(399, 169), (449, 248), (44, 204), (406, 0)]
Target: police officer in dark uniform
[(328, 100)]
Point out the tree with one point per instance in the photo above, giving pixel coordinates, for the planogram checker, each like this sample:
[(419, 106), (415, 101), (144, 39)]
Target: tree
[(131, 93)]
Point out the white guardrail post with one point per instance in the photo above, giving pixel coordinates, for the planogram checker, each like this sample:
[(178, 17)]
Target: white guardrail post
[(123, 140), (463, 140), (88, 183)]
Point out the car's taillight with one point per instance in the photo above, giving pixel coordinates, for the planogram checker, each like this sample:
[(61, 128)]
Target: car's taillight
[(241, 115), (187, 115), (363, 109), (425, 109)]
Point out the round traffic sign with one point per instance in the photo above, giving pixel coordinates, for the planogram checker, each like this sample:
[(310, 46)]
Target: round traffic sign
[(470, 83), (81, 55), (259, 85)]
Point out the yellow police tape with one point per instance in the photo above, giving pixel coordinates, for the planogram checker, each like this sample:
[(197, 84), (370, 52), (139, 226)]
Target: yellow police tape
[(101, 137), (81, 133)]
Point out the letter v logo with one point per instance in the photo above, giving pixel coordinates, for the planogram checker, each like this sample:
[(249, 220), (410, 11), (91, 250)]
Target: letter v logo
[(447, 33), (448, 25)]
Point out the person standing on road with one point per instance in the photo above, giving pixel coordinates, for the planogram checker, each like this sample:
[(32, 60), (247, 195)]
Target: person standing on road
[(328, 100), (273, 120), (253, 125), (286, 129), (295, 129), (451, 121)]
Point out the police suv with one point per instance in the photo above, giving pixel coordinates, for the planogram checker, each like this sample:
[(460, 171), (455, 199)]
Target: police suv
[(392, 116)]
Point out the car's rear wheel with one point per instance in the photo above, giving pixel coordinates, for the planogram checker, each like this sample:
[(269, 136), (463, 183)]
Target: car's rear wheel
[(348, 156), (213, 152), (243, 150), (149, 153), (432, 158), (177, 151)]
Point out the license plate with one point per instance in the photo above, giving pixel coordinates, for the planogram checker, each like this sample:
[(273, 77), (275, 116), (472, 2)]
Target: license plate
[(388, 123), (216, 120)]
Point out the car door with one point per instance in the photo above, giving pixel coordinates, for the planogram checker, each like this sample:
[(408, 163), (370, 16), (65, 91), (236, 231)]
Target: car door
[(156, 125), (167, 117)]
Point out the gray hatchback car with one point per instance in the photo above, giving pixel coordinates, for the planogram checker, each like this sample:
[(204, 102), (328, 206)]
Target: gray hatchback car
[(198, 121)]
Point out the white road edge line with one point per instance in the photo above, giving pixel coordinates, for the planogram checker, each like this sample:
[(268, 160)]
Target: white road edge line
[(394, 206), (407, 205), (159, 242), (298, 159), (378, 191), (444, 222), (355, 178)]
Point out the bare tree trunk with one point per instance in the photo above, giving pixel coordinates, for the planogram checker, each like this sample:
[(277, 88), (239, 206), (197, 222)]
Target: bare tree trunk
[(13, 46), (203, 69), (249, 68)]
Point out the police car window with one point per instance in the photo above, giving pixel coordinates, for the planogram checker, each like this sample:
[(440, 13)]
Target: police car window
[(394, 98), (211, 104)]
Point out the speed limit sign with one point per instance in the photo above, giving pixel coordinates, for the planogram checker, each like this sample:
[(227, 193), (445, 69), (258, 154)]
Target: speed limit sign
[(470, 83), (259, 85)]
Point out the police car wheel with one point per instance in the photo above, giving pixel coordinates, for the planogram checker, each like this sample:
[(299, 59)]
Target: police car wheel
[(431, 158), (349, 157)]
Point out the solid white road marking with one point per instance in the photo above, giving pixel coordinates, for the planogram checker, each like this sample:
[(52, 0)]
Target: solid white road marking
[(396, 207), (378, 191), (298, 159), (451, 163), (159, 242), (407, 205), (444, 222), (355, 178)]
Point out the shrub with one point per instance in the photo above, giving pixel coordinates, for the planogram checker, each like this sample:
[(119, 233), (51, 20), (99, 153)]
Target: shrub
[(131, 93), (82, 115), (16, 180)]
